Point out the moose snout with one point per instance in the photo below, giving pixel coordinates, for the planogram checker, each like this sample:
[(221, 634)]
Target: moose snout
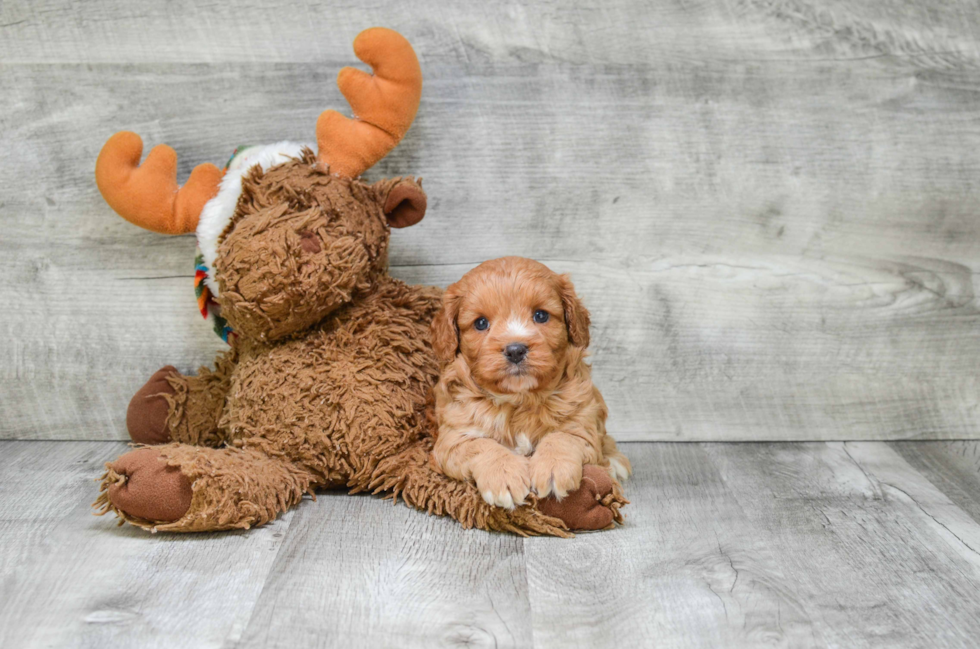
[(515, 352)]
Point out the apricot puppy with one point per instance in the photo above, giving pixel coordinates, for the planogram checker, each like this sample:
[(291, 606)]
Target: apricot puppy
[(515, 404)]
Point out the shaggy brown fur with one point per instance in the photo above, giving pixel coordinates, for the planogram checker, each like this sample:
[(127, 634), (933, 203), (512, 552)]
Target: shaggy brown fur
[(327, 382)]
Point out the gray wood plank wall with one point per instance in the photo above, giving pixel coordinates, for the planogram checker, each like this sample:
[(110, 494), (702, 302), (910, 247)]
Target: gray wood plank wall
[(770, 206)]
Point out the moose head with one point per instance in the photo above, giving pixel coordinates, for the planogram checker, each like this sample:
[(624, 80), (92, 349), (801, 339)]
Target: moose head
[(286, 236)]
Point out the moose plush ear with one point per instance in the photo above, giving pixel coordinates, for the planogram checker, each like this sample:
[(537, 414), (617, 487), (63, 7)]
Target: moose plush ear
[(402, 200)]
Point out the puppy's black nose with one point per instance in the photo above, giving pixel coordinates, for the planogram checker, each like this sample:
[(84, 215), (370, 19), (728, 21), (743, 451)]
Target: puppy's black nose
[(515, 352)]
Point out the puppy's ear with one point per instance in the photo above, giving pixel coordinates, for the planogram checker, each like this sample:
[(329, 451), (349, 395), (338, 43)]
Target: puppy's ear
[(576, 315), (402, 200), (445, 330)]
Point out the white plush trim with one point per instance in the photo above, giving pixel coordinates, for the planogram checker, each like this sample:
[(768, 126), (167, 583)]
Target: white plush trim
[(218, 211)]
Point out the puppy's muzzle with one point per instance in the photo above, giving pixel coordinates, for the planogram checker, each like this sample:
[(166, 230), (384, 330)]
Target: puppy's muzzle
[(515, 352)]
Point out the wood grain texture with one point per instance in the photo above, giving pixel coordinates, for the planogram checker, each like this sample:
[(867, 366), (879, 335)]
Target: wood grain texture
[(954, 467), (895, 478), (769, 205), (747, 545), (862, 537), (70, 579), (109, 31), (689, 569), (725, 545), (359, 572)]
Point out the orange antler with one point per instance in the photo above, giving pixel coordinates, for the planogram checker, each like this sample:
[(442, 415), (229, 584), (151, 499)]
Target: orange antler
[(384, 104), (147, 195)]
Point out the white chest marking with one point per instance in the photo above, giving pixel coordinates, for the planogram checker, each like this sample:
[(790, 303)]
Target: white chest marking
[(523, 445)]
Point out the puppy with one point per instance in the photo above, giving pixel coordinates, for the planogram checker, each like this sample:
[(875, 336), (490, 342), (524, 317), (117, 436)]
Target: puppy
[(515, 404)]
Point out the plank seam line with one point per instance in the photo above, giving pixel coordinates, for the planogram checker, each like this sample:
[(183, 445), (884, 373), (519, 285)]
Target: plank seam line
[(936, 520), (265, 581), (527, 584)]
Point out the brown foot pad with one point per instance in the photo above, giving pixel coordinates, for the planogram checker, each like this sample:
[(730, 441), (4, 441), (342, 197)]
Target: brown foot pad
[(141, 486), (593, 506), (146, 417)]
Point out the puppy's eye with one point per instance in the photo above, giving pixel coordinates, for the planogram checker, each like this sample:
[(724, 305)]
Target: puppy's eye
[(481, 324), (541, 317)]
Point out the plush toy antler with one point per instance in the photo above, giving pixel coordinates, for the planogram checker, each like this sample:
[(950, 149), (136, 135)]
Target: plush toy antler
[(148, 195), (384, 104)]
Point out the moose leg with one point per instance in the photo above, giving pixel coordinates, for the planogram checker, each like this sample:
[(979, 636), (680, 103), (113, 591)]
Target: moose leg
[(411, 476), (184, 488), (172, 407), (593, 506)]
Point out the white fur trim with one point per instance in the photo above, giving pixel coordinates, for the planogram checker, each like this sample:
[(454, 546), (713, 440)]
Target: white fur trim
[(218, 211)]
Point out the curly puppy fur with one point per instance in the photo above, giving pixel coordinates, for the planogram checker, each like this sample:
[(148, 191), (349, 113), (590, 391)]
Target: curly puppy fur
[(516, 407), (327, 382)]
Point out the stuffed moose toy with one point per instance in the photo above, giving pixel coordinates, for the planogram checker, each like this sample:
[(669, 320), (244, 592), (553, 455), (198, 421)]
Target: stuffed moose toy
[(327, 378)]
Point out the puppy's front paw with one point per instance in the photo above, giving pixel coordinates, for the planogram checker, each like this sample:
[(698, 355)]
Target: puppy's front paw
[(504, 483), (553, 474)]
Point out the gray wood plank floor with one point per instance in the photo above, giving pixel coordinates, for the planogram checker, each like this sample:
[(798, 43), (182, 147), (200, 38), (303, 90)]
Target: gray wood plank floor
[(824, 544)]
